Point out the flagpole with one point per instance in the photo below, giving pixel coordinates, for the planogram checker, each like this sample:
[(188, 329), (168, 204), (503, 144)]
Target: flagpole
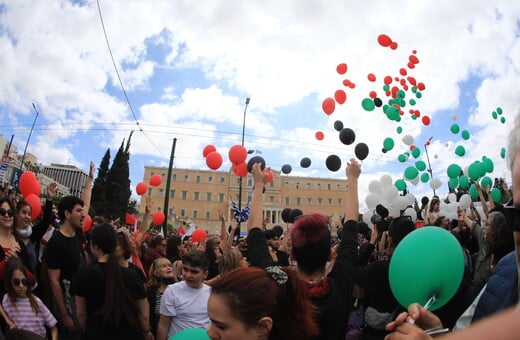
[(237, 231)]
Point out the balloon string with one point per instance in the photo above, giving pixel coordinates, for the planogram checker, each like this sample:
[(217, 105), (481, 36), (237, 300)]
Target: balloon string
[(427, 305)]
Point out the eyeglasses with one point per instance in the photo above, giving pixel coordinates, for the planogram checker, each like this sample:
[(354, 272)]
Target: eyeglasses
[(5, 212), (16, 282)]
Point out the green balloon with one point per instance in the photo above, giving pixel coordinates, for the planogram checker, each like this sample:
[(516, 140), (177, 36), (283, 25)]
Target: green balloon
[(499, 110), (453, 183), (399, 129), (427, 263), (416, 152), (503, 120), (418, 95), (455, 128), (488, 164), (496, 195), (494, 115), (420, 165), (473, 191), (410, 172), (460, 151), (402, 158), (392, 113), (474, 171), (191, 334), (401, 94), (388, 144), (368, 104), (425, 177), (465, 135), (454, 170), (486, 182), (414, 89), (386, 87), (412, 102), (463, 182), (503, 153), (400, 184)]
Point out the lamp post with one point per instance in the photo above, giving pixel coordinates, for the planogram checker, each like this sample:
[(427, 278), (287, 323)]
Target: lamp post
[(28, 138), (428, 158), (240, 178)]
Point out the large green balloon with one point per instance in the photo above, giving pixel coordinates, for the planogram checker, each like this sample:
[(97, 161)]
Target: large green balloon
[(455, 128), (428, 262), (454, 170), (453, 183), (425, 177), (401, 158), (486, 182), (460, 151), (474, 170), (420, 165), (191, 334), (465, 135), (463, 182), (496, 195), (400, 184), (411, 172), (388, 144), (488, 165), (368, 104), (416, 152), (473, 192)]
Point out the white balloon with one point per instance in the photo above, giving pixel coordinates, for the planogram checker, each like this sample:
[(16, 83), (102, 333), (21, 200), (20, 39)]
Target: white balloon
[(465, 171), (366, 217), (372, 200), (465, 201), (435, 183), (411, 212), (410, 198), (408, 140), (374, 187), (415, 180), (390, 193), (394, 211), (401, 202), (452, 198), (443, 208), (386, 180), (435, 156)]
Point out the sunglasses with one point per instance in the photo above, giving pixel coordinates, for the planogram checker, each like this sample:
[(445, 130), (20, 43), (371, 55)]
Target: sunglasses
[(16, 282), (5, 212)]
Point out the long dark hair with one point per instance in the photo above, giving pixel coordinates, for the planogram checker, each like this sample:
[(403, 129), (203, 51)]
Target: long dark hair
[(12, 265), (119, 307)]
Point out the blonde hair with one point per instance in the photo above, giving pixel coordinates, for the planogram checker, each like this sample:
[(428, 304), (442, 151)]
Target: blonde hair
[(153, 278), (229, 261)]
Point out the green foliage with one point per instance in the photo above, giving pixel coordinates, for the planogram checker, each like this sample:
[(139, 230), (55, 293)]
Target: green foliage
[(99, 199)]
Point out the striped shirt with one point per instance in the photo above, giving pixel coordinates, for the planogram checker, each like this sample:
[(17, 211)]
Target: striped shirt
[(25, 318)]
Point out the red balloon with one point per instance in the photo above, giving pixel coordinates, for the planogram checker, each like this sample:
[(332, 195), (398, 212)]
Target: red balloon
[(28, 184), (199, 235), (393, 45), (240, 169), (319, 135), (158, 218), (213, 160), (403, 71), (340, 96), (426, 120), (269, 173), (371, 77), (87, 224), (35, 204), (237, 154), (342, 68), (155, 180), (413, 59), (373, 94), (208, 149), (328, 106), (384, 40), (421, 86), (141, 188), (388, 80)]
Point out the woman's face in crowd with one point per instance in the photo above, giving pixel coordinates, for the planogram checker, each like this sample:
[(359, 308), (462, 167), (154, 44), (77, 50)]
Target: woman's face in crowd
[(6, 216), (224, 326), (24, 217), (164, 269), (20, 284)]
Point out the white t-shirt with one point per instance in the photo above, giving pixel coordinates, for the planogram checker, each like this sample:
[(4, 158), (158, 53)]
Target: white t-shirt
[(187, 306)]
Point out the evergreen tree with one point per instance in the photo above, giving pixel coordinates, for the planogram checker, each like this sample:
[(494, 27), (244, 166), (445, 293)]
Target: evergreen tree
[(118, 183), (99, 197)]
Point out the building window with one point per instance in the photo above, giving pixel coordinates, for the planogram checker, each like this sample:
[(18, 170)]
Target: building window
[(298, 201), (163, 174), (340, 202), (339, 187), (184, 194), (183, 212), (197, 179), (287, 201), (271, 199), (309, 201), (149, 191), (172, 193), (174, 177), (186, 178), (222, 180), (210, 179), (320, 201), (208, 215), (250, 182), (318, 186), (221, 197), (286, 184), (208, 196), (330, 201), (196, 195), (170, 211), (195, 214), (329, 187), (308, 186), (271, 184), (297, 185), (161, 192)]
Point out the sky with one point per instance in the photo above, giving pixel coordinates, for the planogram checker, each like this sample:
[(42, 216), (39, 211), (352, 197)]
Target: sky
[(183, 69)]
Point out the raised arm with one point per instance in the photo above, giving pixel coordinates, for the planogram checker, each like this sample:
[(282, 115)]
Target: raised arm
[(143, 228), (228, 242), (352, 204), (255, 216), (87, 191)]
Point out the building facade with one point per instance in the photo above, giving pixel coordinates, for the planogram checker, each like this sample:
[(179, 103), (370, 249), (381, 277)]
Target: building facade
[(68, 175), (199, 195)]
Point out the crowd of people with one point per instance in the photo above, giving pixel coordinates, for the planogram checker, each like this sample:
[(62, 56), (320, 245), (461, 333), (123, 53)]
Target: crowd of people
[(296, 281)]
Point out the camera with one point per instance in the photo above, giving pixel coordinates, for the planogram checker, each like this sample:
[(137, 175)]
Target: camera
[(380, 218)]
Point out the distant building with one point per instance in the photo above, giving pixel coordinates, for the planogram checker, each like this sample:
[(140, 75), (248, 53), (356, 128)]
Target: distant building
[(200, 194), (68, 175)]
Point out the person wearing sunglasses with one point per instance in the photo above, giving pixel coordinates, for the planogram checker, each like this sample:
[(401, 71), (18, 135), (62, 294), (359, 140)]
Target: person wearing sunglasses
[(25, 309)]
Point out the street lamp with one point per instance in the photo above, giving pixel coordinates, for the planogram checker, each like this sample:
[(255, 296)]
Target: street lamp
[(428, 158), (28, 138), (240, 178)]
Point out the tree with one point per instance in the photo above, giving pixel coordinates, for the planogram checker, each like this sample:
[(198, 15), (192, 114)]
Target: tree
[(118, 183), (99, 198)]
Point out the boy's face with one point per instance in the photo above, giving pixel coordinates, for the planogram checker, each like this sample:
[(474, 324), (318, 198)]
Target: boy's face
[(193, 276)]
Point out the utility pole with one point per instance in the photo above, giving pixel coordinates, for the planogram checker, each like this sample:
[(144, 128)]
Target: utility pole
[(167, 189)]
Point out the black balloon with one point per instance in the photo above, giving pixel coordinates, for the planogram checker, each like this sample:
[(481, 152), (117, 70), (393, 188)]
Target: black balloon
[(294, 213), (286, 169), (347, 136), (383, 150), (285, 214), (361, 151), (253, 160), (378, 102), (333, 163), (305, 162), (338, 125)]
